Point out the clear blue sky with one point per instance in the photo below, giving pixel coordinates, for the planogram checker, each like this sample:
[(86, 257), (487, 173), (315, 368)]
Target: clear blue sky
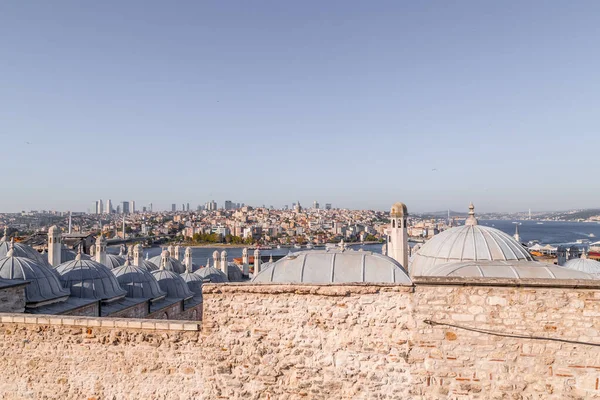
[(269, 102)]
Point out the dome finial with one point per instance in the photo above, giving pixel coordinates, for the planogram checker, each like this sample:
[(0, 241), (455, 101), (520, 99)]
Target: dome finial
[(11, 248), (584, 255), (5, 237), (471, 220), (127, 262)]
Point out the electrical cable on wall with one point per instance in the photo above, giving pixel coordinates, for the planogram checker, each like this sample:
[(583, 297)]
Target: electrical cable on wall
[(510, 335)]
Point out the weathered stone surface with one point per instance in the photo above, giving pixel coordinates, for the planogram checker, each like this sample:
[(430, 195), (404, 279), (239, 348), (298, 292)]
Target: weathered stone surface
[(338, 342)]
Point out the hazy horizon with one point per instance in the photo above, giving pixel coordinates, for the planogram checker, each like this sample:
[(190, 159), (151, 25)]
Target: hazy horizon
[(351, 103)]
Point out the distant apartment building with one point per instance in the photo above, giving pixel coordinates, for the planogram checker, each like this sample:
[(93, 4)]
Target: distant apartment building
[(173, 207)]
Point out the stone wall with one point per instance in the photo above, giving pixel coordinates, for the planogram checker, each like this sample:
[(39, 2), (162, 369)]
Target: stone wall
[(331, 341)]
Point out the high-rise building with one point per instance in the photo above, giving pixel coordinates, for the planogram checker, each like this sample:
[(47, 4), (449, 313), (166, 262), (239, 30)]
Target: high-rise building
[(109, 207), (151, 209), (126, 207), (132, 206), (211, 205), (118, 211), (99, 207), (143, 209), (316, 205), (228, 205), (187, 207), (173, 207), (328, 206)]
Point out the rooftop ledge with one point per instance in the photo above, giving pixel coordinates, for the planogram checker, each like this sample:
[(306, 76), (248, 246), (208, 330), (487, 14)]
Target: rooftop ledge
[(104, 322)]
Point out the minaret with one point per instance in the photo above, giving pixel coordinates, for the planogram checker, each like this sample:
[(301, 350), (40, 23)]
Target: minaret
[(246, 263), (101, 249), (164, 258), (137, 255), (256, 262), (130, 251), (54, 246), (188, 261), (122, 250), (123, 227), (171, 250), (517, 236), (271, 258), (70, 223), (178, 252), (207, 263), (224, 265), (398, 238), (216, 259)]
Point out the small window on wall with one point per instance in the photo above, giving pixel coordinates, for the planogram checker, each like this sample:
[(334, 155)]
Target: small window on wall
[(393, 223)]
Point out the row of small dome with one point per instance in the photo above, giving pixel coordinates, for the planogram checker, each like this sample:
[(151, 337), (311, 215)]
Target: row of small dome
[(89, 279)]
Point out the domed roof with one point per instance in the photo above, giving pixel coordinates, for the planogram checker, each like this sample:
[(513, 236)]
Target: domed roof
[(173, 284), (148, 265), (114, 261), (90, 279), (212, 274), (506, 269), (70, 255), (193, 280), (21, 250), (471, 242), (138, 282), (398, 210), (584, 264), (44, 286), (334, 266), (171, 264), (234, 273)]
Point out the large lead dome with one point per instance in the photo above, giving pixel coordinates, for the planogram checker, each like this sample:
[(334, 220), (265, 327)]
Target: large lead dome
[(471, 242), (334, 266)]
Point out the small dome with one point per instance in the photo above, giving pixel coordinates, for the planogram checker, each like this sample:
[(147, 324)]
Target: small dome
[(138, 282), (44, 286), (471, 242), (54, 229), (148, 265), (70, 255), (506, 269), (584, 264), (398, 210), (173, 284), (212, 274), (172, 264), (194, 282), (22, 250), (90, 280), (113, 261), (334, 266), (234, 273)]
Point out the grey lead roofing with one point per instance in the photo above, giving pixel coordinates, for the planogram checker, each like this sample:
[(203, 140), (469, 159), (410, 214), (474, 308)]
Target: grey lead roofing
[(173, 284), (506, 269), (334, 266), (138, 282), (44, 286), (90, 279)]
